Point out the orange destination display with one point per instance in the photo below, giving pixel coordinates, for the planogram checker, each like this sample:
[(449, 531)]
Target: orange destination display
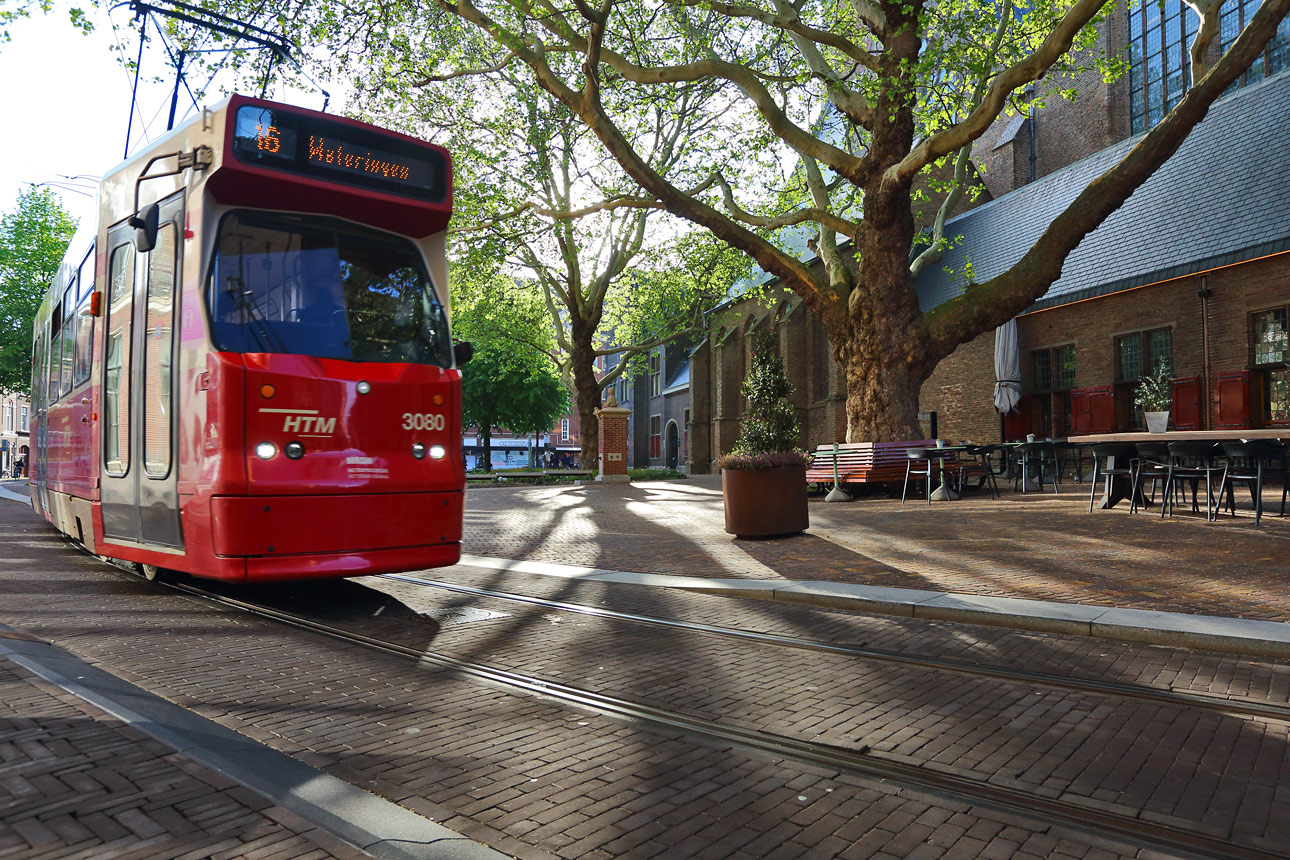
[(338, 152)]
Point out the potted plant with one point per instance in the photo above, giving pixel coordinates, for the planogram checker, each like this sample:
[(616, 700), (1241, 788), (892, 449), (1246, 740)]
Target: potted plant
[(763, 480), (1154, 397)]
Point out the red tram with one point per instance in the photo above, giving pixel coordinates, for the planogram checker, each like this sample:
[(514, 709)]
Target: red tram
[(245, 372)]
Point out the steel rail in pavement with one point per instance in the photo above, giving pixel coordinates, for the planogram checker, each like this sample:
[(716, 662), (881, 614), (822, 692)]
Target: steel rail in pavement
[(1263, 710), (1132, 831)]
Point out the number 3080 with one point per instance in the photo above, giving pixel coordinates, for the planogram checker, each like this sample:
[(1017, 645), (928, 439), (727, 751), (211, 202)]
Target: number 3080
[(422, 421)]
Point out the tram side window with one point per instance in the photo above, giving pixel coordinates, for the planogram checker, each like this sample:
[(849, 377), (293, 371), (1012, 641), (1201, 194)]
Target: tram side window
[(37, 364), (157, 351), (55, 354), (84, 322), (116, 382), (69, 337)]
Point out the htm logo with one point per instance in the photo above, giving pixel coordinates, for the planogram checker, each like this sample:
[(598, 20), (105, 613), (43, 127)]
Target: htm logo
[(314, 425)]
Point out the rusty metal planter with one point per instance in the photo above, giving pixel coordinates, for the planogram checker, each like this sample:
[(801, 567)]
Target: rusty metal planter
[(764, 502)]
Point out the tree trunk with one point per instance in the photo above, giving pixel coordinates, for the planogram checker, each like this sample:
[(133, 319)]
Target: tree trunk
[(882, 347), (586, 400), (486, 436)]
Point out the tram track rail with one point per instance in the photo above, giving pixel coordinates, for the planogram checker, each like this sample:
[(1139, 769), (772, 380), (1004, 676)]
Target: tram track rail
[(1130, 830), (1236, 707)]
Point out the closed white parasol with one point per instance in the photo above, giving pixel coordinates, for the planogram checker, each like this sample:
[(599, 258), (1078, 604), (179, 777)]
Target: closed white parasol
[(1007, 368)]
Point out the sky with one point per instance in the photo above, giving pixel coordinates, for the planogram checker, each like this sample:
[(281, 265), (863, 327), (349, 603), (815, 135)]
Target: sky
[(73, 121)]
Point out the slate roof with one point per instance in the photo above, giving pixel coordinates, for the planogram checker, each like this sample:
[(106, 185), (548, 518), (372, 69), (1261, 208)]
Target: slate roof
[(1223, 198)]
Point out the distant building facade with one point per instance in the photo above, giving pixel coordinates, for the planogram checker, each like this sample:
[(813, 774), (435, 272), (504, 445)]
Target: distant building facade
[(15, 421)]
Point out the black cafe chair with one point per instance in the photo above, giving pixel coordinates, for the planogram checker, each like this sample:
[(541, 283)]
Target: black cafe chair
[(1111, 460), (1150, 464), (924, 464), (1038, 459), (1192, 461), (1071, 455), (982, 455), (1252, 463)]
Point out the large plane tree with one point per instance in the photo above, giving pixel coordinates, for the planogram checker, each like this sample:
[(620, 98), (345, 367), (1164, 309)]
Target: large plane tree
[(913, 84), (838, 116)]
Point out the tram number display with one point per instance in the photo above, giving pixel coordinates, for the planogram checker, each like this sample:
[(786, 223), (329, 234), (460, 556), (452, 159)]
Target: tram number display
[(423, 421), (326, 149)]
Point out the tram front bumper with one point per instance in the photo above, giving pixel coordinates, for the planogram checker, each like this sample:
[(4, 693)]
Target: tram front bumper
[(276, 526)]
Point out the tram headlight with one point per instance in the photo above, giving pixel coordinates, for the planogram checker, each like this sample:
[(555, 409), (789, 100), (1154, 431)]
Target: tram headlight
[(419, 451), (266, 450), (437, 452), (293, 450), (363, 387)]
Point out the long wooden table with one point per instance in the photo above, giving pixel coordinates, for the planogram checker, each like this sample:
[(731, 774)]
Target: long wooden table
[(1185, 436), (1117, 488)]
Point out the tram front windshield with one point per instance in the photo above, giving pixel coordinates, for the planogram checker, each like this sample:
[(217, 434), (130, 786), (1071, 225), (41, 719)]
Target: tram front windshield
[(322, 287)]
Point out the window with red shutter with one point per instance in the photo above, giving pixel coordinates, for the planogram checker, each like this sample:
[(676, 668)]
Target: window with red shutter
[(1232, 390), (1186, 403), (1018, 423), (1101, 408), (1080, 416)]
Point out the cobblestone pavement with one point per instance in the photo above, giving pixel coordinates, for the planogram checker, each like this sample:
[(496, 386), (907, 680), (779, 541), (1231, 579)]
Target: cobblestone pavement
[(537, 778), (1035, 546), (76, 783)]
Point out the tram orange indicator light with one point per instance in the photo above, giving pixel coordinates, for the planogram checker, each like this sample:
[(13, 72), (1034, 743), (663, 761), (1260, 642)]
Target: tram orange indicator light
[(267, 391), (96, 302), (438, 400)]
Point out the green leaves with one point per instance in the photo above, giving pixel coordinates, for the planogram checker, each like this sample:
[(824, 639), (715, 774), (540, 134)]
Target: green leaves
[(770, 424), (511, 382), (33, 238)]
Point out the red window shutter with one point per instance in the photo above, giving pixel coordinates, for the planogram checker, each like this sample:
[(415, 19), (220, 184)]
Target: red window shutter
[(1101, 408), (1017, 424), (1233, 391), (1186, 403), (1081, 417)]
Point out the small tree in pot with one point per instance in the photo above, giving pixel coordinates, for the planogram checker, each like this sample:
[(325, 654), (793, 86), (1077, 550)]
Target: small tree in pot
[(1155, 397), (763, 479)]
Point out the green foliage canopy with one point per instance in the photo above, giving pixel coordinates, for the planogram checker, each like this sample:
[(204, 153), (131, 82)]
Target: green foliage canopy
[(33, 238), (507, 383)]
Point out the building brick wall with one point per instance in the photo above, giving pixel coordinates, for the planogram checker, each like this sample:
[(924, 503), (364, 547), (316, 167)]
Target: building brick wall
[(961, 388)]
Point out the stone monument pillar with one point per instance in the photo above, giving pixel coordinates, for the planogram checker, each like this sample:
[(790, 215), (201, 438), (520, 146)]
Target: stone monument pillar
[(613, 441)]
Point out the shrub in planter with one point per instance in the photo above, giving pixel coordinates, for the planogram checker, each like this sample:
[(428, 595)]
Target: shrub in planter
[(763, 479), (1155, 398)]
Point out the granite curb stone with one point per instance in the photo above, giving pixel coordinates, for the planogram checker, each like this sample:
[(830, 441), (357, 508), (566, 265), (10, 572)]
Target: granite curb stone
[(383, 829), (1216, 633)]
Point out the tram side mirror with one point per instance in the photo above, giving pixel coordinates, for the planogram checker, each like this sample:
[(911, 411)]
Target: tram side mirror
[(145, 227), (462, 352)]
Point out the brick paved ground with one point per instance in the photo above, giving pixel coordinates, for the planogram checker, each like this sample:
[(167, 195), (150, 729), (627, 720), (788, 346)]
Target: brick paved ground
[(525, 774), (1036, 546), (75, 783), (537, 778)]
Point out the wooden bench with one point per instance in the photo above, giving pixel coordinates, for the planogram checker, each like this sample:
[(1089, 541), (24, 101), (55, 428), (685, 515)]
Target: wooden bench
[(862, 462)]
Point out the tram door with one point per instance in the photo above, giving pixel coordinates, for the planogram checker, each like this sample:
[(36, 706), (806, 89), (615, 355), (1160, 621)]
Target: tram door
[(38, 459), (138, 470)]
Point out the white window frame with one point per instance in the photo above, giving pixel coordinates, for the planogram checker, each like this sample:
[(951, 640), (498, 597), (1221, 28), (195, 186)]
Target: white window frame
[(655, 374), (564, 429)]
